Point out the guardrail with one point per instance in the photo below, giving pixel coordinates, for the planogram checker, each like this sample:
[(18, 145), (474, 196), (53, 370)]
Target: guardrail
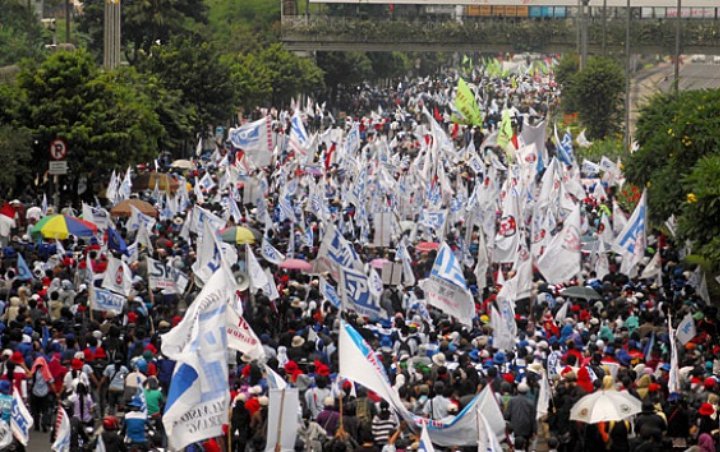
[(517, 34)]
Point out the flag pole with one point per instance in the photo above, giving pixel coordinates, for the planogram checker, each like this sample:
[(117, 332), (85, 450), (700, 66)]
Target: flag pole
[(230, 430), (278, 441)]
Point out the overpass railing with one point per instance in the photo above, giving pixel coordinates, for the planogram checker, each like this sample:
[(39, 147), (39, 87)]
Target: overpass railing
[(519, 34)]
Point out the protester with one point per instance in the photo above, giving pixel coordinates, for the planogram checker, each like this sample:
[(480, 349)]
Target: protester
[(424, 258)]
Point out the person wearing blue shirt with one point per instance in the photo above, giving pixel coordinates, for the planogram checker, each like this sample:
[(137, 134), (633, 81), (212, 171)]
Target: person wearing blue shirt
[(6, 401), (135, 424)]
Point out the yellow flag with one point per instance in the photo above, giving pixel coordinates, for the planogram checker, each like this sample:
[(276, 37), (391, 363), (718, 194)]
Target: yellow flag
[(466, 105)]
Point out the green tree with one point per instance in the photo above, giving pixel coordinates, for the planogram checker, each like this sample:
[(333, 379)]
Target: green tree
[(701, 209), (106, 122), (251, 79), (564, 75), (388, 64), (673, 134), (246, 26), (16, 145), (21, 35), (345, 69), (290, 74), (144, 23), (596, 92), (194, 67)]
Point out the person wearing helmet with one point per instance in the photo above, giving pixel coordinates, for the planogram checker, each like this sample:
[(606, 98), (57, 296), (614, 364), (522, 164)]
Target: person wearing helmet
[(134, 426), (111, 439)]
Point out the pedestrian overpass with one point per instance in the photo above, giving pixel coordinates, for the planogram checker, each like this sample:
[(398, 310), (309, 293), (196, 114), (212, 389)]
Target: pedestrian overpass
[(373, 26)]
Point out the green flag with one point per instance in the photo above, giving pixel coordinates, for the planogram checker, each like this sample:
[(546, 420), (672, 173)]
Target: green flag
[(466, 105), (506, 132)]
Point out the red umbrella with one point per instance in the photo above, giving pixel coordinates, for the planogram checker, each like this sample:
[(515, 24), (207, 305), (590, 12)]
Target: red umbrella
[(296, 264), (427, 246)]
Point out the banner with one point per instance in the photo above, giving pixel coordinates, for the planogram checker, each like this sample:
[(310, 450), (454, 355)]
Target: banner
[(167, 278), (104, 300), (446, 288), (282, 421), (355, 292)]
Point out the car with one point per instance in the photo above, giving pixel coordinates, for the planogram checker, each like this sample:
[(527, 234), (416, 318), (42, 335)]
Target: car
[(716, 59), (698, 59)]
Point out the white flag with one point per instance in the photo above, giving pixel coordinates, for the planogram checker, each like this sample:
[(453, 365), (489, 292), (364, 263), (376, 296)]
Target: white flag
[(631, 241), (282, 422), (446, 288), (686, 330), (137, 218), (653, 268), (21, 421), (674, 380), (118, 277), (270, 253), (425, 441), (62, 432), (100, 445), (258, 279), (561, 260), (241, 336), (543, 404), (199, 392)]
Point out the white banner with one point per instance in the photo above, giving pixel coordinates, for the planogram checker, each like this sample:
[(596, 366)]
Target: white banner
[(104, 300), (282, 421), (165, 277)]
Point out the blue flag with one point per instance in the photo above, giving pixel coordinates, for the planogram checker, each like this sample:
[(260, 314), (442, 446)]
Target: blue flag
[(24, 273), (116, 242)]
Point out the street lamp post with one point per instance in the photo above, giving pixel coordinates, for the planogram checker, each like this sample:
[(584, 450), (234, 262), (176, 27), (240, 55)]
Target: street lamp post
[(604, 28), (627, 77), (584, 35), (678, 31)]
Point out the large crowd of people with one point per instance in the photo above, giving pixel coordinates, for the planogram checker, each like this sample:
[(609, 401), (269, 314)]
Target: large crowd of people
[(401, 179)]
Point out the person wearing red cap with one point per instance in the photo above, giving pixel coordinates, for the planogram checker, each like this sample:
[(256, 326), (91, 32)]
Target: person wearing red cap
[(16, 372)]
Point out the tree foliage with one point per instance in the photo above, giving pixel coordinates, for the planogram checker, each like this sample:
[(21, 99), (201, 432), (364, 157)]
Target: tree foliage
[(272, 76), (15, 143), (596, 94), (346, 69), (144, 23), (701, 209), (106, 120), (246, 26), (21, 35), (193, 67), (673, 134), (679, 160)]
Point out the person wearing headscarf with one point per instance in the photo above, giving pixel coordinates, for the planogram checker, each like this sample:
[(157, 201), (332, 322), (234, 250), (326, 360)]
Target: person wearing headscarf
[(41, 391)]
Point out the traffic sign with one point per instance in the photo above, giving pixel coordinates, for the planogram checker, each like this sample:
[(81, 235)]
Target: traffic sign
[(58, 168), (58, 149)]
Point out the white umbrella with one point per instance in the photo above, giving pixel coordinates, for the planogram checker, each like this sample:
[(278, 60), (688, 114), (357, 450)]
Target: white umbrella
[(183, 164), (605, 405)]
